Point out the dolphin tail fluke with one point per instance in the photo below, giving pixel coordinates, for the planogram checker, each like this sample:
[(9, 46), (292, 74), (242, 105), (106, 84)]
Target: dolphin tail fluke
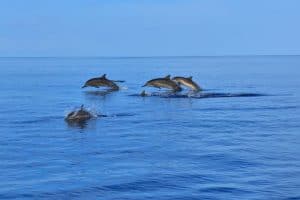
[(178, 89), (143, 93)]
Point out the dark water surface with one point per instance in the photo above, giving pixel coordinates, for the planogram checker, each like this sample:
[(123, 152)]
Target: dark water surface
[(237, 140)]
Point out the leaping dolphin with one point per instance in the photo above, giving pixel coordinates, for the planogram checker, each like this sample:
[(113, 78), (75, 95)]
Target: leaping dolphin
[(188, 82), (165, 82), (101, 82)]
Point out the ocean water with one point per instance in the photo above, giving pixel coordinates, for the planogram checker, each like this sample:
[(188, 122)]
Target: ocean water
[(239, 139)]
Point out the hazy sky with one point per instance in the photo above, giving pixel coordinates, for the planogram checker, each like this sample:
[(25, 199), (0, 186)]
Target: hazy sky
[(148, 27)]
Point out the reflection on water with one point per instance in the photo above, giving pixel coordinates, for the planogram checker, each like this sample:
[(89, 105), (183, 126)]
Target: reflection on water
[(78, 124), (99, 95), (99, 92)]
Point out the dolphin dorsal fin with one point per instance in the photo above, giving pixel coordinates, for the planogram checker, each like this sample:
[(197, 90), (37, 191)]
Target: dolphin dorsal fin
[(103, 76), (168, 77), (190, 77), (81, 107)]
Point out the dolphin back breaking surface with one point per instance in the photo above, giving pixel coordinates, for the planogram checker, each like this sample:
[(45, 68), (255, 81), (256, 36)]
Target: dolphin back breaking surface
[(79, 115)]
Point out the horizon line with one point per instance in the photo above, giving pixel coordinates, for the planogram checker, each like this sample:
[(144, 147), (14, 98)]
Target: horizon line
[(120, 57)]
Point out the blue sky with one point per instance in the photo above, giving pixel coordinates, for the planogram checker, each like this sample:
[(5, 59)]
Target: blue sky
[(149, 27)]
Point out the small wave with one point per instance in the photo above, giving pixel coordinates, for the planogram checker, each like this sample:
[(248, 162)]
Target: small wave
[(37, 120), (121, 115), (223, 190), (251, 108), (199, 95), (140, 185), (124, 88), (213, 95)]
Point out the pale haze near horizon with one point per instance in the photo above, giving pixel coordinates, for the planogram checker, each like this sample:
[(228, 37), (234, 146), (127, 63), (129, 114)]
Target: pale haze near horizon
[(149, 28)]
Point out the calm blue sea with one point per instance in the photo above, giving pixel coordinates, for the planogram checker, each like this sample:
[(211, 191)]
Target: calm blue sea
[(160, 147)]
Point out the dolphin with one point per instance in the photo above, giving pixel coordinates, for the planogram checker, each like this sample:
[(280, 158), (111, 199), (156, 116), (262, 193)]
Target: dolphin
[(80, 115), (187, 82), (143, 93), (101, 81), (165, 82)]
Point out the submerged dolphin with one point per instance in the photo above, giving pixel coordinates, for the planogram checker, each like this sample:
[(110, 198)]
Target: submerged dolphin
[(187, 82), (81, 115), (101, 82), (165, 82)]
